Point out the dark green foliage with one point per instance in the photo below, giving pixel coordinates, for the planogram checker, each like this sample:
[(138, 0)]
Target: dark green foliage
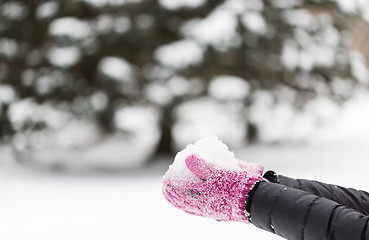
[(135, 30)]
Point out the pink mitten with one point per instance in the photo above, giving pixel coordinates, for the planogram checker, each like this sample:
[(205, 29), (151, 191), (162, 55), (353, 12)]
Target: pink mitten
[(213, 192)]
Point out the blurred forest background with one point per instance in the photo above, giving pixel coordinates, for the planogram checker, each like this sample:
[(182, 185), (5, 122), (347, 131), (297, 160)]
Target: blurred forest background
[(110, 83)]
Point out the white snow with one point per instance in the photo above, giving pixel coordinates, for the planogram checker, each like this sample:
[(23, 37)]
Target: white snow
[(331, 36), (286, 3), (359, 68), (158, 93), (180, 54), (290, 55), (71, 27), (312, 55), (322, 55), (21, 111), (99, 100), (227, 87), (290, 124), (13, 10), (129, 205), (200, 117), (114, 3), (255, 22), (210, 149), (47, 9), (122, 24), (217, 29), (132, 207), (355, 7), (348, 6), (116, 68), (8, 47), (140, 122), (179, 85), (299, 18), (44, 84), (64, 56), (240, 6), (7, 94), (62, 128), (104, 23), (349, 124), (177, 4), (74, 142)]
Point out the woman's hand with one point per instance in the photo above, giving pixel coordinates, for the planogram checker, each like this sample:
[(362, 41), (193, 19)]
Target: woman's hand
[(212, 191)]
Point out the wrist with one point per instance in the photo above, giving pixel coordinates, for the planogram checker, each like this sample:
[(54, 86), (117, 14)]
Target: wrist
[(249, 196)]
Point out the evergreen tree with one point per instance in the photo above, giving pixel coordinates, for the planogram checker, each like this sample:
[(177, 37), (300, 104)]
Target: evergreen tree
[(115, 52)]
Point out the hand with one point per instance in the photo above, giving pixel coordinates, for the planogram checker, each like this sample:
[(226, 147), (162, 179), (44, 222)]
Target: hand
[(212, 192)]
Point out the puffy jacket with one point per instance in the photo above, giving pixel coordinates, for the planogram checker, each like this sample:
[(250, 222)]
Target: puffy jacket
[(303, 209)]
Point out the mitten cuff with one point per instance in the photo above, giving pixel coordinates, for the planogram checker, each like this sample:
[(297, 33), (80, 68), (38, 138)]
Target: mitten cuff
[(248, 200)]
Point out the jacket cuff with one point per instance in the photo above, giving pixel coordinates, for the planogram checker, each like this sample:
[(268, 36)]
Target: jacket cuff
[(249, 197), (289, 212)]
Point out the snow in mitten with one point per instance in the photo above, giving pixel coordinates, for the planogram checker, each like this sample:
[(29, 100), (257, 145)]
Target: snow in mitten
[(215, 189)]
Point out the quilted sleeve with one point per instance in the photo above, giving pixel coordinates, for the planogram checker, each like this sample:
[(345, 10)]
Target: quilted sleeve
[(349, 197), (297, 214)]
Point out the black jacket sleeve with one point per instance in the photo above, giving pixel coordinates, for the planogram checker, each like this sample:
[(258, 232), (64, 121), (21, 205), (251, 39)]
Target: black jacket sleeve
[(349, 197), (296, 214)]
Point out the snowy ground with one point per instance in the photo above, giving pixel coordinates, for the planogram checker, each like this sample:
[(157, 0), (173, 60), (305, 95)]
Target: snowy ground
[(38, 205)]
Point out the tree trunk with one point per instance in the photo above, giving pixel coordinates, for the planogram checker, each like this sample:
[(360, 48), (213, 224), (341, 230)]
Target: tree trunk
[(166, 141)]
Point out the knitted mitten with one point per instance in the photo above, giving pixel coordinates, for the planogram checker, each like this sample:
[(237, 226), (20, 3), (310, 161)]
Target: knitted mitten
[(212, 191)]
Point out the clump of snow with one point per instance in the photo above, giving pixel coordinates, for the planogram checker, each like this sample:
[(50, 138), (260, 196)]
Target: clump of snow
[(209, 148), (113, 3), (7, 94), (45, 126), (179, 85), (358, 65), (20, 112), (140, 122), (290, 55), (122, 24), (313, 55), (13, 10), (46, 83), (292, 125), (116, 68), (177, 4), (64, 56), (71, 27), (200, 117), (99, 100), (221, 37), (254, 22), (52, 136), (158, 93), (180, 54), (229, 88), (348, 6), (299, 18), (241, 6), (47, 9), (285, 4), (104, 24), (8, 47)]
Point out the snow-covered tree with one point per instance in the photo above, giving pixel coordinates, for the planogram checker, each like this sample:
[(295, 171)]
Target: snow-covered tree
[(89, 59)]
